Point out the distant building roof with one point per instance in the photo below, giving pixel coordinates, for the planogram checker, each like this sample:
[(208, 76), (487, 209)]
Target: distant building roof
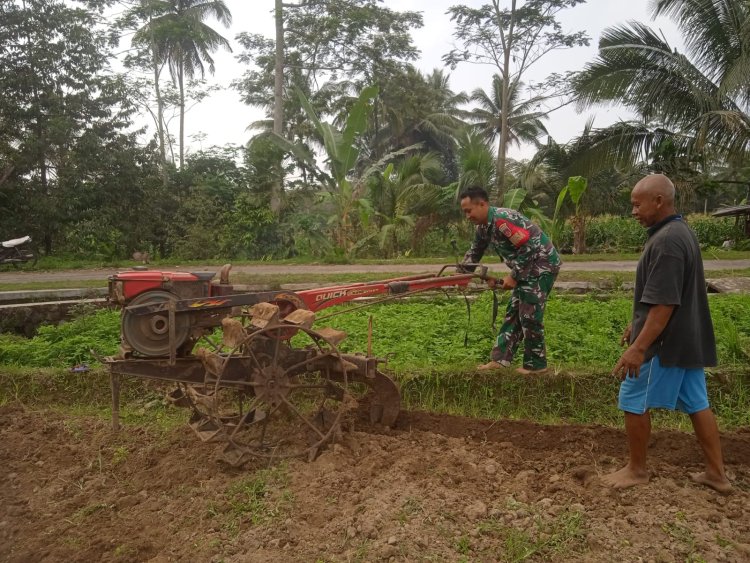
[(732, 211)]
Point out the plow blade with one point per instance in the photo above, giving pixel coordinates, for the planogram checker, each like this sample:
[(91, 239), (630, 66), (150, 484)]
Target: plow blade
[(386, 400), (206, 429)]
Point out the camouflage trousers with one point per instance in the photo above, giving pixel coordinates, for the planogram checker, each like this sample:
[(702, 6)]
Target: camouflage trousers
[(524, 320)]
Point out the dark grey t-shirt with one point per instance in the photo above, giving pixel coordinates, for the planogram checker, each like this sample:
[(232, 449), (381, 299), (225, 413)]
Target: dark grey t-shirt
[(670, 272)]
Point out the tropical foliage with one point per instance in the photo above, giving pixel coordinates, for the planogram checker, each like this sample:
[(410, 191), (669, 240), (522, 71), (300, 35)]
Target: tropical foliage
[(176, 36), (696, 102), (372, 151)]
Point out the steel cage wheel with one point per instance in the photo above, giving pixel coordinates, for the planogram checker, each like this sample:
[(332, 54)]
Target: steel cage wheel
[(290, 401)]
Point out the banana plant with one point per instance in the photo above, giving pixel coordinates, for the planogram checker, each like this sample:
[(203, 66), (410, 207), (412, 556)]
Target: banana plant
[(341, 190), (576, 188), (344, 190), (518, 199)]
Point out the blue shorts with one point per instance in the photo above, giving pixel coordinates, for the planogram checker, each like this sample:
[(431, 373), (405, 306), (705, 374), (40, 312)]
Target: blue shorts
[(659, 387)]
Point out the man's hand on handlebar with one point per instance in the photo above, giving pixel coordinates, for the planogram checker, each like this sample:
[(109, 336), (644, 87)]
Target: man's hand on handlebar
[(501, 283), (509, 282)]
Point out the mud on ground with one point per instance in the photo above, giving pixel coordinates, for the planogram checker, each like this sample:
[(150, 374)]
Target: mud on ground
[(436, 488)]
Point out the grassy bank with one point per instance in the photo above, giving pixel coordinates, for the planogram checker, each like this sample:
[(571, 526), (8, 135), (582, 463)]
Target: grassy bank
[(424, 341), (586, 397)]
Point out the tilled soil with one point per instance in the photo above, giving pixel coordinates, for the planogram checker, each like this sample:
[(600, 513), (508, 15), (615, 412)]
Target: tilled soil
[(436, 488)]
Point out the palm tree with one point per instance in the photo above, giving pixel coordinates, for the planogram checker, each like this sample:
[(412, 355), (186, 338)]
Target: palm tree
[(476, 163), (524, 120), (434, 124), (402, 196), (179, 38), (417, 108), (589, 156), (702, 98)]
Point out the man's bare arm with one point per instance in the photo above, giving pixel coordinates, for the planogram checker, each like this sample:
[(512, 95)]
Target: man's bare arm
[(631, 360)]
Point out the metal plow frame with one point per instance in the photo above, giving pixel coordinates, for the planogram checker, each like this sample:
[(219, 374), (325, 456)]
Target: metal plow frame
[(204, 380)]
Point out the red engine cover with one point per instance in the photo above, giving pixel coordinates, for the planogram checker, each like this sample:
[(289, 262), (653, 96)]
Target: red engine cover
[(123, 286)]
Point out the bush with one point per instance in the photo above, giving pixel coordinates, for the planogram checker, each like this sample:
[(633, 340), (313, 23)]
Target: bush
[(713, 231), (608, 233)]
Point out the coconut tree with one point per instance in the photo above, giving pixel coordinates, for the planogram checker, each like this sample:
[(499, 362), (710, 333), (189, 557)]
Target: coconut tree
[(525, 120), (702, 97), (179, 37), (476, 163), (417, 108), (585, 172), (403, 196)]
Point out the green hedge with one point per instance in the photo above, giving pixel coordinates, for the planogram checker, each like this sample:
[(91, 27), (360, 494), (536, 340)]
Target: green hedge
[(608, 233), (712, 231)]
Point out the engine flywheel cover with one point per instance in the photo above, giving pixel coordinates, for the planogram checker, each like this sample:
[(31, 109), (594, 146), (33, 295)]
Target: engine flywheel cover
[(148, 335)]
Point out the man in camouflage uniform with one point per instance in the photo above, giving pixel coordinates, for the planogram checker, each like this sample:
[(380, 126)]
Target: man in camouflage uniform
[(534, 264)]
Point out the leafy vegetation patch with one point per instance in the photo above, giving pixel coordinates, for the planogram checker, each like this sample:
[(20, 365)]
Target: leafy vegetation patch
[(424, 343), (259, 498), (428, 336), (65, 345)]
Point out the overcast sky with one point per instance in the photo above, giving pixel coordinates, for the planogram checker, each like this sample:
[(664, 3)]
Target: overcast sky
[(223, 119)]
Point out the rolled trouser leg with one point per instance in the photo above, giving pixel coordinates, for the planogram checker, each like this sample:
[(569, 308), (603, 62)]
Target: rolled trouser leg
[(533, 299), (509, 334)]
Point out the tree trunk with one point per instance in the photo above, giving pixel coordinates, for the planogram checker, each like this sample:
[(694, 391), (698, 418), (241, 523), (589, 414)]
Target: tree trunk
[(278, 103), (500, 167), (278, 84), (42, 156), (160, 125), (578, 222), (6, 174), (505, 110), (181, 80), (159, 107)]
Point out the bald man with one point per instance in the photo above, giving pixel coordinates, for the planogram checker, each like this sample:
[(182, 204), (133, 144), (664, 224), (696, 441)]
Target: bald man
[(670, 339)]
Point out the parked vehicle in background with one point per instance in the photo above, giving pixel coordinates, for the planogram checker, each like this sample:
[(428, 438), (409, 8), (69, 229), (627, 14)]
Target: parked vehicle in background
[(17, 251)]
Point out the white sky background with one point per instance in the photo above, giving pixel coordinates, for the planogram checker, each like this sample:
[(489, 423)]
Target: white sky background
[(222, 118)]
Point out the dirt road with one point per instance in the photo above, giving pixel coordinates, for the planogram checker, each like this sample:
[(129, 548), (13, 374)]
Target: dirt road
[(278, 269)]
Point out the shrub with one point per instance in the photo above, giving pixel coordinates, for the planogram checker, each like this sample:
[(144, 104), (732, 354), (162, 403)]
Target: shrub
[(608, 233), (713, 231)]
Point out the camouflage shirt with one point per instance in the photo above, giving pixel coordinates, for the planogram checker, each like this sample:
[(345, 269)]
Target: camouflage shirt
[(526, 250)]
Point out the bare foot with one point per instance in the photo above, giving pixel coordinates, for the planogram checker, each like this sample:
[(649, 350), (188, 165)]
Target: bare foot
[(625, 477), (490, 366), (526, 371), (719, 484)]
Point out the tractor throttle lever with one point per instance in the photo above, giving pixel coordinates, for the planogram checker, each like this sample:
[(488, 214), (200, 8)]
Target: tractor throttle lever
[(490, 280), (466, 267)]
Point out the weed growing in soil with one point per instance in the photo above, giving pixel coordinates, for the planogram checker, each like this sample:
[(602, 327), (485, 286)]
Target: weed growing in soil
[(546, 538), (409, 510), (86, 511), (554, 540), (260, 498), (683, 536)]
